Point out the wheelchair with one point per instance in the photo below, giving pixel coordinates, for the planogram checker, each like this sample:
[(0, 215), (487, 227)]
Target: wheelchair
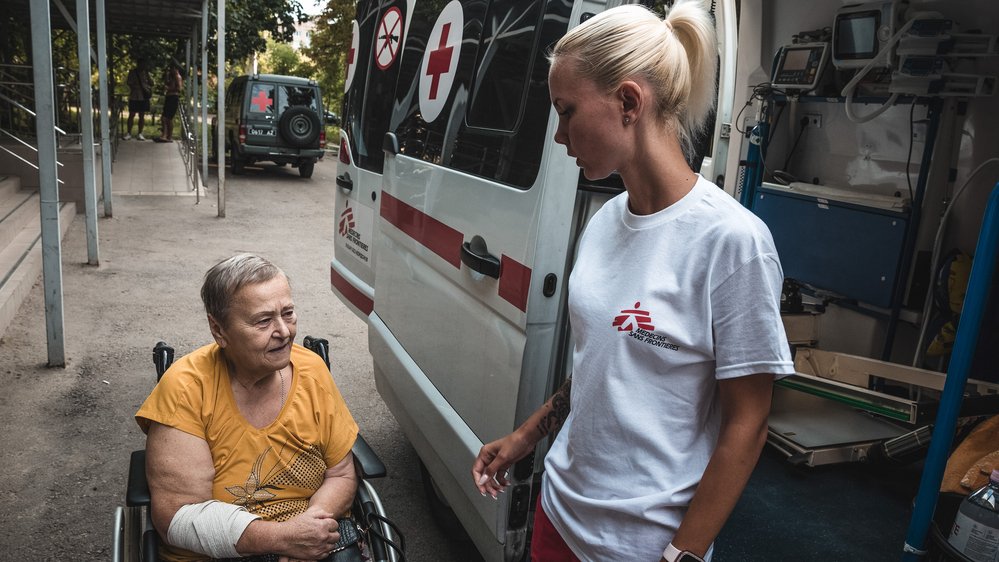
[(135, 539)]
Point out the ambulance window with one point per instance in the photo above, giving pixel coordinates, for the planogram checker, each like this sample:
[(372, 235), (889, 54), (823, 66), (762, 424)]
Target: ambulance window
[(494, 124), (504, 65), (354, 98)]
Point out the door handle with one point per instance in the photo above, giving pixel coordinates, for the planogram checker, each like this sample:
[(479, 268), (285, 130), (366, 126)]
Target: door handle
[(476, 256), (390, 143), (343, 181)]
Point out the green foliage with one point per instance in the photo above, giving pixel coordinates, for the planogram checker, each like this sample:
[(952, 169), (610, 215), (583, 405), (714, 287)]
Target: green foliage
[(246, 20), (281, 58), (327, 50)]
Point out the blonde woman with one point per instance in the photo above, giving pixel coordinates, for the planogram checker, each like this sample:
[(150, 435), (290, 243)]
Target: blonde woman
[(674, 304)]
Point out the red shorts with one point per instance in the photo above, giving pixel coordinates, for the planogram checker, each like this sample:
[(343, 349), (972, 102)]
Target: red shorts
[(546, 543)]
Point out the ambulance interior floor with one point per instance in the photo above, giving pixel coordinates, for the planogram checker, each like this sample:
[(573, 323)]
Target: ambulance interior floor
[(844, 512)]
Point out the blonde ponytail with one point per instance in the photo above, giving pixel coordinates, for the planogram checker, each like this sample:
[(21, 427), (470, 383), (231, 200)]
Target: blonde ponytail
[(677, 56), (694, 28)]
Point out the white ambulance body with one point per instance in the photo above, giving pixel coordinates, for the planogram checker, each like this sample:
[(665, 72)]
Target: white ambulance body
[(457, 214)]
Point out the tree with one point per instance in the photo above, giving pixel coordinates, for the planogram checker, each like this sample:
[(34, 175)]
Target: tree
[(246, 20), (328, 49), (280, 58)]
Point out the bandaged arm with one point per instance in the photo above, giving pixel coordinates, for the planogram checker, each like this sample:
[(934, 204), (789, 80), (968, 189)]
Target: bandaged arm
[(210, 527), (180, 472)]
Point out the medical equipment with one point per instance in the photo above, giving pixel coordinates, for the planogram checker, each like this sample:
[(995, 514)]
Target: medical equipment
[(861, 34), (800, 66)]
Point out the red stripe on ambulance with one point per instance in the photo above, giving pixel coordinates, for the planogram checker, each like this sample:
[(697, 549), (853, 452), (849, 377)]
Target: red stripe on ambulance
[(441, 239), (351, 293), (514, 282), (438, 237)]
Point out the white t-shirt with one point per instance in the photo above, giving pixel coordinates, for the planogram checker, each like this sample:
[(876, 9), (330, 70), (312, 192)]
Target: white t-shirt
[(661, 306)]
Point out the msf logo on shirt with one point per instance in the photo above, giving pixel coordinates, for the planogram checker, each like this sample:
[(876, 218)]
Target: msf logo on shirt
[(638, 324), (633, 318)]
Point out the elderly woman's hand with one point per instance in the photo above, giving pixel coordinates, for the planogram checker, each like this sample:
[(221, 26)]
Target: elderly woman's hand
[(311, 535)]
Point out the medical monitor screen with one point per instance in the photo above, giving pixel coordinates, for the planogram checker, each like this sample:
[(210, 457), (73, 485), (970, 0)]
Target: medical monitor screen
[(796, 59), (857, 35)]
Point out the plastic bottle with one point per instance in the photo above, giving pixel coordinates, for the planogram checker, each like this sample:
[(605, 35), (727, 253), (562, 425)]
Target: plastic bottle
[(976, 528)]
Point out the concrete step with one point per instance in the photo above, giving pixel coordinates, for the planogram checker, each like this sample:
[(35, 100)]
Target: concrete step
[(16, 211), (21, 264), (9, 184)]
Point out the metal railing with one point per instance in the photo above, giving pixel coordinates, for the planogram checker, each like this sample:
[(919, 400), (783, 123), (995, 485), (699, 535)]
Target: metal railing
[(17, 88), (189, 148), (11, 103), (17, 118)]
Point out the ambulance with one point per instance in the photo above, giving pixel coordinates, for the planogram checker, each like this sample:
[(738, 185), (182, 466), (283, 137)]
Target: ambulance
[(849, 128)]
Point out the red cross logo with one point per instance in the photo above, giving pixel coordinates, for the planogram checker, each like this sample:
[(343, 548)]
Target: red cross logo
[(261, 102), (440, 61), (351, 58)]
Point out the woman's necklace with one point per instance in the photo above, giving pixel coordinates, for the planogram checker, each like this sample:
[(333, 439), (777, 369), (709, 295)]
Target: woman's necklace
[(281, 374), (247, 388)]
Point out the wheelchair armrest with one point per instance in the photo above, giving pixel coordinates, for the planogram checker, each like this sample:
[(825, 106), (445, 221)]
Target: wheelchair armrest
[(150, 545), (366, 460), (137, 492)]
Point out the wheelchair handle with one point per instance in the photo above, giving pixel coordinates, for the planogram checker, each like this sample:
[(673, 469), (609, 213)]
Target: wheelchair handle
[(162, 358)]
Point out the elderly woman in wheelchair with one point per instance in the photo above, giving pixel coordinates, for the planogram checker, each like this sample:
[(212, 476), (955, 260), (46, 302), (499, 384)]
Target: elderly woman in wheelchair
[(248, 449)]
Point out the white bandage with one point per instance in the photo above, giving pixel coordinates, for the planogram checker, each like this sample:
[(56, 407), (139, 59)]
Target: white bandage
[(210, 527)]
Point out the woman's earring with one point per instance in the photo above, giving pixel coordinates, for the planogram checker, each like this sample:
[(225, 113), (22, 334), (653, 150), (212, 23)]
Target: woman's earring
[(627, 120)]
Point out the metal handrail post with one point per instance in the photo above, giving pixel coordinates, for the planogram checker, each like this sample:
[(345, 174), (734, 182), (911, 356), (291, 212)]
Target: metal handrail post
[(102, 84), (220, 105), (192, 94), (41, 48), (205, 139), (962, 356), (87, 130)]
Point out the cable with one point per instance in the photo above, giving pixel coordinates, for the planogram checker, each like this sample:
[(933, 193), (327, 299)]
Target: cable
[(934, 261), (761, 92), (801, 131), (773, 127), (908, 159)]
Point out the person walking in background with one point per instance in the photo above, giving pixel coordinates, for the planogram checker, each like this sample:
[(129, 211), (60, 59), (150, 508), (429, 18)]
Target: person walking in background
[(172, 86), (140, 90), (665, 414)]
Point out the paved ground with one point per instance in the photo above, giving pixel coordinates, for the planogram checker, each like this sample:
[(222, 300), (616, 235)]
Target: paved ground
[(69, 431)]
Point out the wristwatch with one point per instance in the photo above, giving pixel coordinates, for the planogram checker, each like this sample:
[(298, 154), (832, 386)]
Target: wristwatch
[(673, 554)]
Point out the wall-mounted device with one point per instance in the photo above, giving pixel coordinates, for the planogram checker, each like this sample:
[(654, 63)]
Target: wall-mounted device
[(861, 31), (799, 66)]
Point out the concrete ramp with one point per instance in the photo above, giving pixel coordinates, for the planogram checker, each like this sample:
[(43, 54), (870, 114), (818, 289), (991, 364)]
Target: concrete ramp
[(150, 168)]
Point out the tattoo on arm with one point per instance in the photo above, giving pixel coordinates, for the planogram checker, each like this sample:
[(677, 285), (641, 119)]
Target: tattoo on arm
[(559, 409)]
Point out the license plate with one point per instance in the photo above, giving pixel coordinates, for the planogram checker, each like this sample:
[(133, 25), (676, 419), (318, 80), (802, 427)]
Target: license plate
[(263, 132)]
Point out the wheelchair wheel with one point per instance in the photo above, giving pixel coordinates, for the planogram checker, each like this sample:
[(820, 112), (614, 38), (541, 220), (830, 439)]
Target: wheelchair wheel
[(131, 534), (367, 509)]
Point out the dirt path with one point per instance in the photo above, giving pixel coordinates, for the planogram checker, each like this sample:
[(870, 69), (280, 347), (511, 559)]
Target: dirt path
[(69, 431)]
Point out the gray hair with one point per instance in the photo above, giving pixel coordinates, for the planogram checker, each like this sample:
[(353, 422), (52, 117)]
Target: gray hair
[(227, 277), (677, 56)]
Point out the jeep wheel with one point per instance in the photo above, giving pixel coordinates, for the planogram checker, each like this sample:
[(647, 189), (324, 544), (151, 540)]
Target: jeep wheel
[(299, 126), (305, 170)]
